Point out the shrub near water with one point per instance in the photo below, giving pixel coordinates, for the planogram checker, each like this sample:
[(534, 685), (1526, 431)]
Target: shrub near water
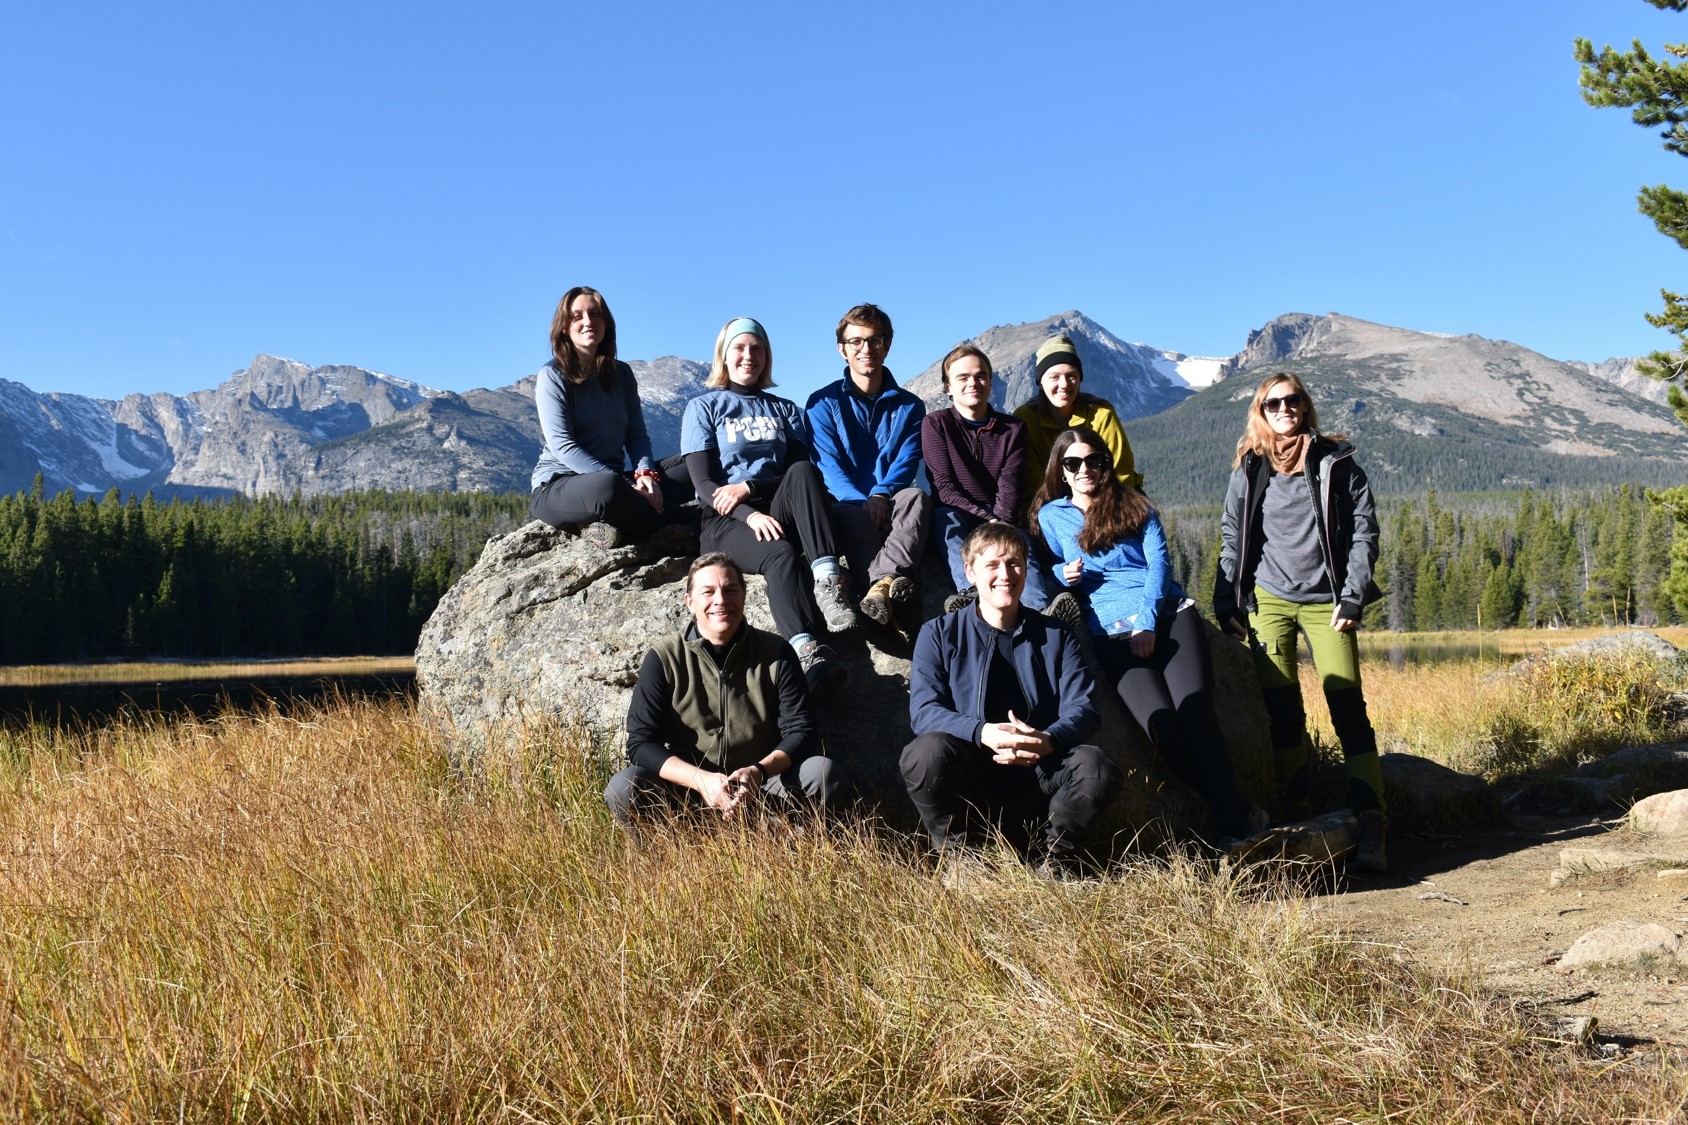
[(1571, 708), (1545, 715), (267, 918)]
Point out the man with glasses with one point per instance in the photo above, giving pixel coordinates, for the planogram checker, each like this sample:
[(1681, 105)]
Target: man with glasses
[(866, 432)]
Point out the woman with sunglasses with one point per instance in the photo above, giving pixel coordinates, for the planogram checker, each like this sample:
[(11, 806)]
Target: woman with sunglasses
[(1299, 543), (1108, 542), (1060, 405)]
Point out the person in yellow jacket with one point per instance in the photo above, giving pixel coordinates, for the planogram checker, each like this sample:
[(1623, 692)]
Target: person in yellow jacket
[(1060, 405)]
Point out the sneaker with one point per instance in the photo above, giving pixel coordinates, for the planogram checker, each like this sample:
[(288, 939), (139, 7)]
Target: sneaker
[(832, 595), (1066, 609), (822, 668), (905, 607), (600, 534), (877, 604), (1368, 857), (961, 599)]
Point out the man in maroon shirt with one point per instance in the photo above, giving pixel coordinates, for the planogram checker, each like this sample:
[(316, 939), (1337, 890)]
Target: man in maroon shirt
[(976, 459)]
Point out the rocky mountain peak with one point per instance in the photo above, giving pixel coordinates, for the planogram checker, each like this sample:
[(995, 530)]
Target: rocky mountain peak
[(1136, 378)]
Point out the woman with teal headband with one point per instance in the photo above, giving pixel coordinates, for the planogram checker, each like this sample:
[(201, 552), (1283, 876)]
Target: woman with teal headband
[(763, 498)]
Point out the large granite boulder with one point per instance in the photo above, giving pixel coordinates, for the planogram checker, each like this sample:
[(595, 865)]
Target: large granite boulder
[(547, 631)]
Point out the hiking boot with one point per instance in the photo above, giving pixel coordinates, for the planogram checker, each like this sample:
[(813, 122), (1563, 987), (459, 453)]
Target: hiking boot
[(1066, 609), (877, 604), (832, 595), (905, 607), (600, 534), (1368, 857), (822, 668), (961, 599)]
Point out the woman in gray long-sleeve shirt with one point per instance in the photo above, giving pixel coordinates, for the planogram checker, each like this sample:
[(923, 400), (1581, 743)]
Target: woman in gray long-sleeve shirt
[(592, 424)]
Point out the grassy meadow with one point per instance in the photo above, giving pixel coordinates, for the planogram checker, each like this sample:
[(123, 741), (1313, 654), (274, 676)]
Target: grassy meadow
[(278, 918)]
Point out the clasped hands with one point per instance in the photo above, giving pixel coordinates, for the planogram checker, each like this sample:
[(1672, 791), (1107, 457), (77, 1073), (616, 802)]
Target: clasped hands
[(1015, 742), (726, 793)]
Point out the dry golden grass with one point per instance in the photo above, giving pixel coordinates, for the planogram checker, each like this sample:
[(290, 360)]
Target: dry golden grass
[(164, 671), (1470, 715), (264, 918)]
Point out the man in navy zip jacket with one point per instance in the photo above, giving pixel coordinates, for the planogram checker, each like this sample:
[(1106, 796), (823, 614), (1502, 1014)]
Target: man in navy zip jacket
[(866, 438), (1000, 702)]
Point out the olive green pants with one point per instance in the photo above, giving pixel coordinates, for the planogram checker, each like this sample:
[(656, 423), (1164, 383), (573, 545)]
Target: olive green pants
[(1275, 624)]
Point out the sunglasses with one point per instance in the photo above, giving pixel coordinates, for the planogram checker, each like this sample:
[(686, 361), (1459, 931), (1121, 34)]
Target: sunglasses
[(1285, 402), (1095, 462)]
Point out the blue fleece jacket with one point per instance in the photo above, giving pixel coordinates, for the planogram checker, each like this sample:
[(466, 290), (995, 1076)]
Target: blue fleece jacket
[(1128, 586), (865, 446)]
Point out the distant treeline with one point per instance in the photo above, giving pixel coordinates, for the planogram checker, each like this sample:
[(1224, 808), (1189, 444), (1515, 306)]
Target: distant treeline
[(357, 572), (1499, 561), (360, 572)]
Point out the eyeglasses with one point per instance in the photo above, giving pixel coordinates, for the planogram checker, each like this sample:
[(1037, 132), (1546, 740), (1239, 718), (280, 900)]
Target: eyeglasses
[(857, 343), (1284, 402), (1095, 462)]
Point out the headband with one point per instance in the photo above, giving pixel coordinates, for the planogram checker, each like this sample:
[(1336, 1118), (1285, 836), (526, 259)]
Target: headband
[(738, 327)]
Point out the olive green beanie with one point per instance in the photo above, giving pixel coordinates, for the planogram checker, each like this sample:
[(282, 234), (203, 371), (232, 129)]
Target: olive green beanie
[(1055, 351)]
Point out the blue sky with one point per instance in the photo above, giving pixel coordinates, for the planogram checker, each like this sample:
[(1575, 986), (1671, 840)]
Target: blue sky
[(410, 188)]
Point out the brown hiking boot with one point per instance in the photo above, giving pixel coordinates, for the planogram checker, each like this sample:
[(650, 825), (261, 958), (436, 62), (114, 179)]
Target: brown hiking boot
[(905, 607), (877, 604)]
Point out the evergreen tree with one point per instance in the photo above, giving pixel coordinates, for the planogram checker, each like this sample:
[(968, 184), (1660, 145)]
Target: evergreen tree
[(1656, 92)]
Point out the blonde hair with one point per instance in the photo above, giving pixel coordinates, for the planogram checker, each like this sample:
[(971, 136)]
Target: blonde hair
[(1258, 435), (718, 366)]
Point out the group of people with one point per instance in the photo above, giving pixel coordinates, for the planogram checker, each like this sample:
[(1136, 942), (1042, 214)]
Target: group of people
[(1046, 530)]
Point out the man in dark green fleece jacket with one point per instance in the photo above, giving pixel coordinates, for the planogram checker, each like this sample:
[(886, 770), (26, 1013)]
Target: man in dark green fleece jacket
[(720, 714)]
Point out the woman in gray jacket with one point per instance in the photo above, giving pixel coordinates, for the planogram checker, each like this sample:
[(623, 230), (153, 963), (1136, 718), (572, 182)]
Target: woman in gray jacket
[(1299, 544), (593, 425)]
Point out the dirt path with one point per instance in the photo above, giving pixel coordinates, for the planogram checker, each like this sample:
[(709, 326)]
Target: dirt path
[(1514, 927)]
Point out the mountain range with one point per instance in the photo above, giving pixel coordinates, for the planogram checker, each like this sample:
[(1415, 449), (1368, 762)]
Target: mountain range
[(1449, 412)]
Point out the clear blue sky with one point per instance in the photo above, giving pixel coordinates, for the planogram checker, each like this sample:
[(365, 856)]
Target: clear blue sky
[(410, 188)]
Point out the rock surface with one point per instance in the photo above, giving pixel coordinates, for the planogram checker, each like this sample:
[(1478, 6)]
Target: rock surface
[(1625, 944), (1426, 793), (1579, 863), (1662, 814), (1607, 785), (548, 627)]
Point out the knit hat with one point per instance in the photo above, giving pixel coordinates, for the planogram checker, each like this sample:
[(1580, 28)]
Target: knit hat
[(1055, 351)]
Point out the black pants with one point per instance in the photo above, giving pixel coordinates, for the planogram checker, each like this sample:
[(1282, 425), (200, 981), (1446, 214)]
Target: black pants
[(802, 507), (1170, 694), (959, 788), (576, 498)]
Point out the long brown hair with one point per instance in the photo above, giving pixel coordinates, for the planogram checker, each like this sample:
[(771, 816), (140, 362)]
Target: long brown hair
[(1258, 435), (1116, 512), (569, 361)]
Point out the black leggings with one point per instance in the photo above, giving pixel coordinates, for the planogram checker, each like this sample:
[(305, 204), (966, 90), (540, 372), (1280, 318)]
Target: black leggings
[(1170, 694), (803, 509), (580, 498)]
